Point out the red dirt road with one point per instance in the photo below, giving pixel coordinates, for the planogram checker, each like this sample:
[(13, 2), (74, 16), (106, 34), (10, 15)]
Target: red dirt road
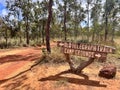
[(13, 61)]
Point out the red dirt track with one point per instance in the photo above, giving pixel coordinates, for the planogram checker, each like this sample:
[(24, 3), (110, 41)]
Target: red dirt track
[(13, 60)]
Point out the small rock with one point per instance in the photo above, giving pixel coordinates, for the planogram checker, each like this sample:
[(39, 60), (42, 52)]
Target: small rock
[(108, 71)]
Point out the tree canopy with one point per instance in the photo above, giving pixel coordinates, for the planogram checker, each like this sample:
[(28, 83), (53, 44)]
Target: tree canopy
[(91, 20)]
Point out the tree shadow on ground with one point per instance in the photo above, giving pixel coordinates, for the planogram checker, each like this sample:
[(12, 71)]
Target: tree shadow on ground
[(77, 81), (14, 58), (15, 83), (27, 87), (35, 64)]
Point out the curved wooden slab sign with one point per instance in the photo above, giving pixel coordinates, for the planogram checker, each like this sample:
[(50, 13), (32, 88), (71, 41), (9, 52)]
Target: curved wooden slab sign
[(85, 50)]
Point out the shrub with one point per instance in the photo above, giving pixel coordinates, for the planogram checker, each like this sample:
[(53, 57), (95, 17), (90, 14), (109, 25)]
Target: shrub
[(55, 57)]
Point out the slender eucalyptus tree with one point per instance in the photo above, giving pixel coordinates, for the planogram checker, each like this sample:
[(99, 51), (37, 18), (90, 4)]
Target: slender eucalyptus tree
[(26, 6), (47, 30), (95, 14), (88, 13), (108, 7)]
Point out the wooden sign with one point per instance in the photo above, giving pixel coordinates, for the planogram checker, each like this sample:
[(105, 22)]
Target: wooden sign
[(85, 50)]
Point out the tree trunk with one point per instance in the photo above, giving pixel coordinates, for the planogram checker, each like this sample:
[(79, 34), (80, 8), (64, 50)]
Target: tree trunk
[(93, 34), (48, 26), (113, 31), (27, 33), (113, 34), (106, 24), (6, 37), (88, 23), (75, 25), (20, 39), (43, 40), (20, 36), (38, 38), (65, 13), (69, 62), (84, 64), (19, 28), (80, 67), (106, 28)]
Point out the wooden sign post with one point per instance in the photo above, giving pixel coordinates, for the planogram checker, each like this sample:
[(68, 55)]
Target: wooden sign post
[(86, 50)]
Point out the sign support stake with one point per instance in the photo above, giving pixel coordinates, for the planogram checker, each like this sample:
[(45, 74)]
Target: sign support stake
[(80, 67), (70, 62), (84, 64)]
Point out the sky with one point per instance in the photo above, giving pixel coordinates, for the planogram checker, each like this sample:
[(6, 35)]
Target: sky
[(3, 10)]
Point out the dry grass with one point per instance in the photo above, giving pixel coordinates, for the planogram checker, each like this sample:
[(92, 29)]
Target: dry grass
[(117, 40), (55, 57), (61, 82)]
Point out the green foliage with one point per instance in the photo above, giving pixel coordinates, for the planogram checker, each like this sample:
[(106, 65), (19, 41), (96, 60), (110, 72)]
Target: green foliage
[(82, 41), (29, 21)]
